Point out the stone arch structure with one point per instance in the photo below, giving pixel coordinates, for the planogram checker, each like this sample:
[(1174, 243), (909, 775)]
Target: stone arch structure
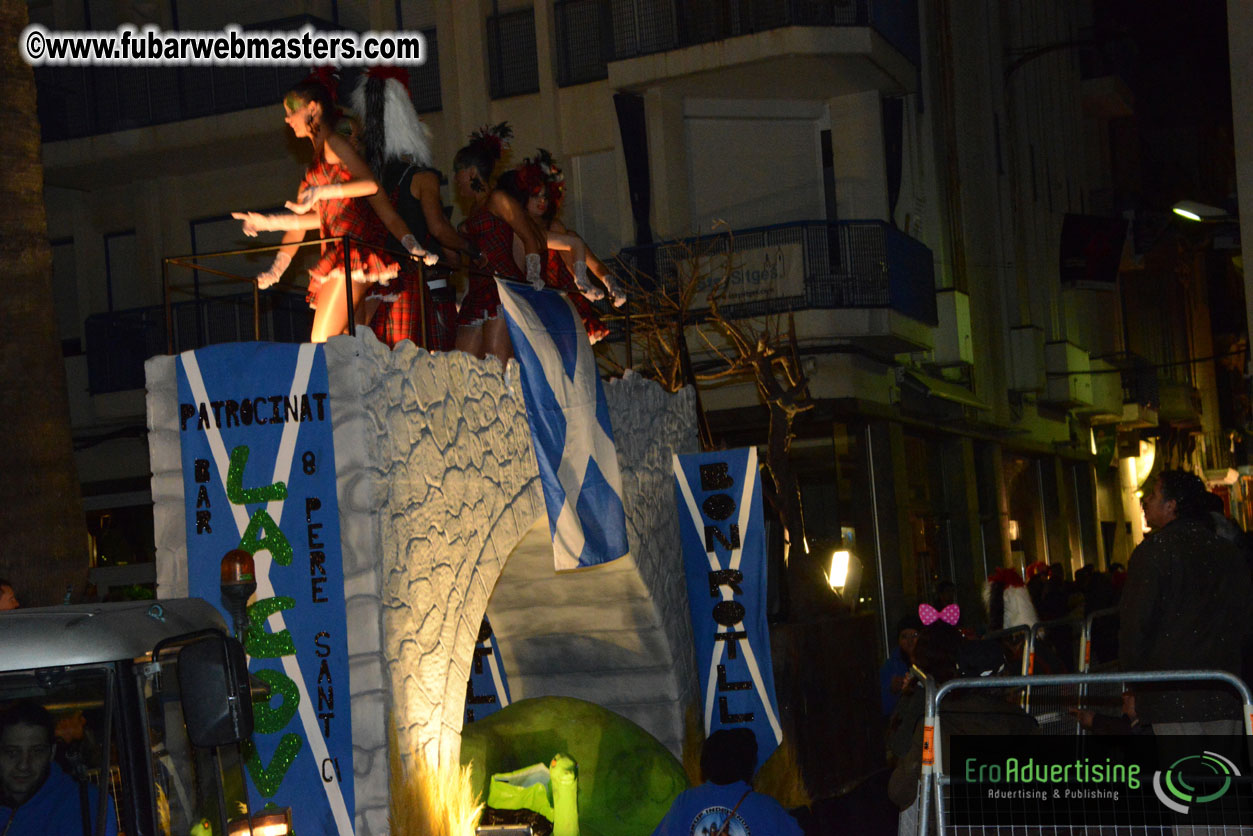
[(441, 511)]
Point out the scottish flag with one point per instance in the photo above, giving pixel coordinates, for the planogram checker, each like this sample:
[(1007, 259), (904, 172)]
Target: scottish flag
[(565, 406)]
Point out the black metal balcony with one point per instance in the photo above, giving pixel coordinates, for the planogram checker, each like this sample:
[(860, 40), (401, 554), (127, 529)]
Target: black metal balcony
[(1139, 380), (591, 33), (86, 101), (800, 266), (118, 343)]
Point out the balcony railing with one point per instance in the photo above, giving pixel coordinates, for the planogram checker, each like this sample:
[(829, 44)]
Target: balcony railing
[(591, 33), (86, 101), (1139, 380), (118, 343), (799, 266)]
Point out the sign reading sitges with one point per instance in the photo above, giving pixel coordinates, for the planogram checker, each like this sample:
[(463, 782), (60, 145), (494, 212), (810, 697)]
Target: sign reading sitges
[(776, 271), (259, 475)]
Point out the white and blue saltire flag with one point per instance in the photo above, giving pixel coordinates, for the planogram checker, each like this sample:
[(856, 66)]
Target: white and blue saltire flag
[(724, 558), (565, 406)]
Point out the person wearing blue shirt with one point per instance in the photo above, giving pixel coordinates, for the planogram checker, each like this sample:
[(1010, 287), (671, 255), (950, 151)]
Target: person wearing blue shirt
[(726, 805), (36, 795), (895, 670)]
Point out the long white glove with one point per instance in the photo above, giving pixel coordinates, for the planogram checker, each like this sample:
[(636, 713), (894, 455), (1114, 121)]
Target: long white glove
[(310, 196), (616, 293), (269, 277), (532, 271), (255, 222), (411, 245), (584, 284)]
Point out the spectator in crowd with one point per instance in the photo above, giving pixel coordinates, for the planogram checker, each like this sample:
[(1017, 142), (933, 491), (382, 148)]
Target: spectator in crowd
[(36, 795), (8, 597), (1184, 606), (895, 671), (942, 654), (726, 803)]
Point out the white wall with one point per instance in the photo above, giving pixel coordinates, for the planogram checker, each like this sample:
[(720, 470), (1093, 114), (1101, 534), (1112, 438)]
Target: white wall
[(753, 163)]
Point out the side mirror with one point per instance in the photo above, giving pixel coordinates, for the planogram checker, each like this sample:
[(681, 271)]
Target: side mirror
[(215, 691)]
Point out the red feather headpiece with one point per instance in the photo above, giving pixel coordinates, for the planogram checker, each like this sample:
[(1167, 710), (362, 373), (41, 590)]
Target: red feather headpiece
[(328, 77), (1006, 577), (541, 174), (493, 137)]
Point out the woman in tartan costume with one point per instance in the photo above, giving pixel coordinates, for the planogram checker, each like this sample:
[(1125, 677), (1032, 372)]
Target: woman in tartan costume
[(539, 185), (493, 221), (396, 146), (338, 185)]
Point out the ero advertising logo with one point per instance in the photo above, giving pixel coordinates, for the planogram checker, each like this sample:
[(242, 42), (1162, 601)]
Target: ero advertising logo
[(1173, 787)]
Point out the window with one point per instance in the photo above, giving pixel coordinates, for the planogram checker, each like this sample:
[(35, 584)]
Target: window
[(120, 279), (513, 65), (55, 725), (584, 40)]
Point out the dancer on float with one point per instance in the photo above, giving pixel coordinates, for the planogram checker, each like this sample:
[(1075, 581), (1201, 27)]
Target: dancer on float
[(494, 218), (554, 193), (539, 185), (339, 185), (397, 147)]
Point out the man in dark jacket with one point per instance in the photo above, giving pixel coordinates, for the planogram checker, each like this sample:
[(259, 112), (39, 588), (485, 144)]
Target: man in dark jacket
[(1184, 606)]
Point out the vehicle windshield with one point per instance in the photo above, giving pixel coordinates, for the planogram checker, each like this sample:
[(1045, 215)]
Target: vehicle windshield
[(196, 789), (57, 750)]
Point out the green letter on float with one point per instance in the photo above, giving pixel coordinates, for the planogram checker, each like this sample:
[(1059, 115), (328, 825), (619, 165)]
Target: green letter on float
[(235, 482)]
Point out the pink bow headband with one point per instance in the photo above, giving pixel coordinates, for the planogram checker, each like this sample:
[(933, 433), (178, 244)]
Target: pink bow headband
[(929, 614)]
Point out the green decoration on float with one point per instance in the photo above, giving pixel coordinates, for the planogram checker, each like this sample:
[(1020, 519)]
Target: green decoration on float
[(267, 779), (268, 719), (235, 490), (259, 643), (274, 540)]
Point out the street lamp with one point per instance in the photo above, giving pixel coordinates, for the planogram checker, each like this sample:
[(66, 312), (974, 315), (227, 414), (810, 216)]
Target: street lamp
[(844, 575), (1202, 212)]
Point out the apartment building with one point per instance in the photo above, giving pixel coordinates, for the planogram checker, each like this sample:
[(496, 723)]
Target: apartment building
[(929, 187)]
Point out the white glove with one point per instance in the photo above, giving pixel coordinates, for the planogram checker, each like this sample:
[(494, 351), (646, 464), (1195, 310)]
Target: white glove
[(411, 245), (269, 277), (616, 293), (255, 222), (532, 271), (584, 285), (310, 196)]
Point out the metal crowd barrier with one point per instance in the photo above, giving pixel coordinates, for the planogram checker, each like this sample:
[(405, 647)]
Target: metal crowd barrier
[(1015, 637), (1098, 653), (934, 782), (1048, 703)]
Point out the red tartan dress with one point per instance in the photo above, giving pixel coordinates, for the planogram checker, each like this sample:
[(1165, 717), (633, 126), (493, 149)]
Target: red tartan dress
[(348, 216), (557, 275), (494, 238), (424, 289)]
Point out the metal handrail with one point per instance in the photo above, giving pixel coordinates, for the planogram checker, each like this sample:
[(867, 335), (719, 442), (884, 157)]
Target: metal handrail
[(347, 240)]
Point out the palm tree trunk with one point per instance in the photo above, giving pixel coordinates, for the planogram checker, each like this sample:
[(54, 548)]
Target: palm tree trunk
[(43, 536)]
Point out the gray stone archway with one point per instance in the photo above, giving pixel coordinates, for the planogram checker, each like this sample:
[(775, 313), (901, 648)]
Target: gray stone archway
[(440, 511)]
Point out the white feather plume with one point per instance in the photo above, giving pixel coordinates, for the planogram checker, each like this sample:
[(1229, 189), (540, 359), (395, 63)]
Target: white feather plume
[(405, 136)]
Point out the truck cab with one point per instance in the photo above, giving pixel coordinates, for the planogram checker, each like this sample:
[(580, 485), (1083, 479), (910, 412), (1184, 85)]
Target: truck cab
[(150, 710)]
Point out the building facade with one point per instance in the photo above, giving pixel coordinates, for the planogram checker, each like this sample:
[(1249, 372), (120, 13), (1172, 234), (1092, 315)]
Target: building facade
[(929, 187)]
